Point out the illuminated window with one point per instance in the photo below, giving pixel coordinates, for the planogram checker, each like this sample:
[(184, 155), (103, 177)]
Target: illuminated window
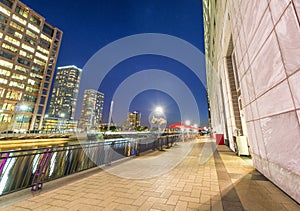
[(4, 11), (36, 61), (22, 11), (4, 72), (33, 28), (20, 20), (33, 82), (8, 106), (30, 41), (38, 69), (31, 89), (3, 81), (16, 84), (28, 48), (26, 54), (16, 26), (43, 50), (34, 75), (12, 40), (2, 90), (6, 64), (14, 33), (14, 95), (22, 69), (35, 20), (1, 34), (46, 38), (9, 47), (19, 77), (41, 56), (29, 98), (31, 34), (5, 118)]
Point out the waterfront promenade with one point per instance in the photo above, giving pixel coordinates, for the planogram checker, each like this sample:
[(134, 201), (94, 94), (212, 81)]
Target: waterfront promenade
[(184, 177)]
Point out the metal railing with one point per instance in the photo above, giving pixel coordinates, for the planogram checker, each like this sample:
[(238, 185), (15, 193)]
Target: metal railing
[(22, 169)]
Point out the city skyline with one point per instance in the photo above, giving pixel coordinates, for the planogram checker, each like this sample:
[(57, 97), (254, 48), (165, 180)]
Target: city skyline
[(91, 28)]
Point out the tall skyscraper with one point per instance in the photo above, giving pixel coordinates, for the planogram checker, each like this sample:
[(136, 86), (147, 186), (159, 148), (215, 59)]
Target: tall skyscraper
[(133, 121), (253, 74), (29, 48), (91, 111), (65, 92)]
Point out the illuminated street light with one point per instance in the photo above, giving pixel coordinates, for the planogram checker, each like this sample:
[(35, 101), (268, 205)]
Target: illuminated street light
[(188, 122), (159, 110)]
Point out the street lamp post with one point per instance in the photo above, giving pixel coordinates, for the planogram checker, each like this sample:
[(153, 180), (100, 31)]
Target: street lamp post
[(188, 123)]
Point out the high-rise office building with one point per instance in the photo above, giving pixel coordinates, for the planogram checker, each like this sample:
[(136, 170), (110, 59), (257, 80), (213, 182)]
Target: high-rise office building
[(64, 93), (133, 121), (253, 74), (91, 111), (29, 48)]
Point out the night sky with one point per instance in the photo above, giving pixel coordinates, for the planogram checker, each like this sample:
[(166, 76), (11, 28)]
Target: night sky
[(88, 26)]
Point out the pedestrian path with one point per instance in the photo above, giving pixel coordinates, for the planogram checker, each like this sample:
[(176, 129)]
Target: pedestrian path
[(190, 176)]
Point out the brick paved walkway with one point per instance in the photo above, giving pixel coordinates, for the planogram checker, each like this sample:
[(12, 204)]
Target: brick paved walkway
[(224, 182)]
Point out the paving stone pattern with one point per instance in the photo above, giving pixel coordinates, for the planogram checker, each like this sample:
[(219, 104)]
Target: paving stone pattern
[(224, 182)]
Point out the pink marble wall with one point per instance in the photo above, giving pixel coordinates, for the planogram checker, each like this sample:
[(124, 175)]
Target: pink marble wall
[(266, 35)]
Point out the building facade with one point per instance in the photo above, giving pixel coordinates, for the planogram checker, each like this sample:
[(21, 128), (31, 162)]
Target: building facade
[(91, 110), (65, 93), (253, 73), (29, 48)]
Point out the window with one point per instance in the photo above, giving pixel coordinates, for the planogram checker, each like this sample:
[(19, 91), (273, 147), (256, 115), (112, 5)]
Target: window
[(20, 20), (25, 54), (3, 81), (38, 69), (2, 90), (34, 75), (46, 38), (17, 84), (45, 43), (22, 11), (16, 26), (23, 61), (31, 34), (9, 47), (41, 56), (43, 50), (28, 48), (4, 11), (31, 89), (12, 40), (19, 77), (14, 95), (3, 19), (6, 64), (4, 72), (7, 3), (30, 41), (36, 61), (22, 69), (48, 30), (35, 20), (14, 33), (2, 27), (33, 28), (6, 55), (29, 98)]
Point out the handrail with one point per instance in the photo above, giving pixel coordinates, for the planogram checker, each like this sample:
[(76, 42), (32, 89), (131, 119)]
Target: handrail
[(22, 169)]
